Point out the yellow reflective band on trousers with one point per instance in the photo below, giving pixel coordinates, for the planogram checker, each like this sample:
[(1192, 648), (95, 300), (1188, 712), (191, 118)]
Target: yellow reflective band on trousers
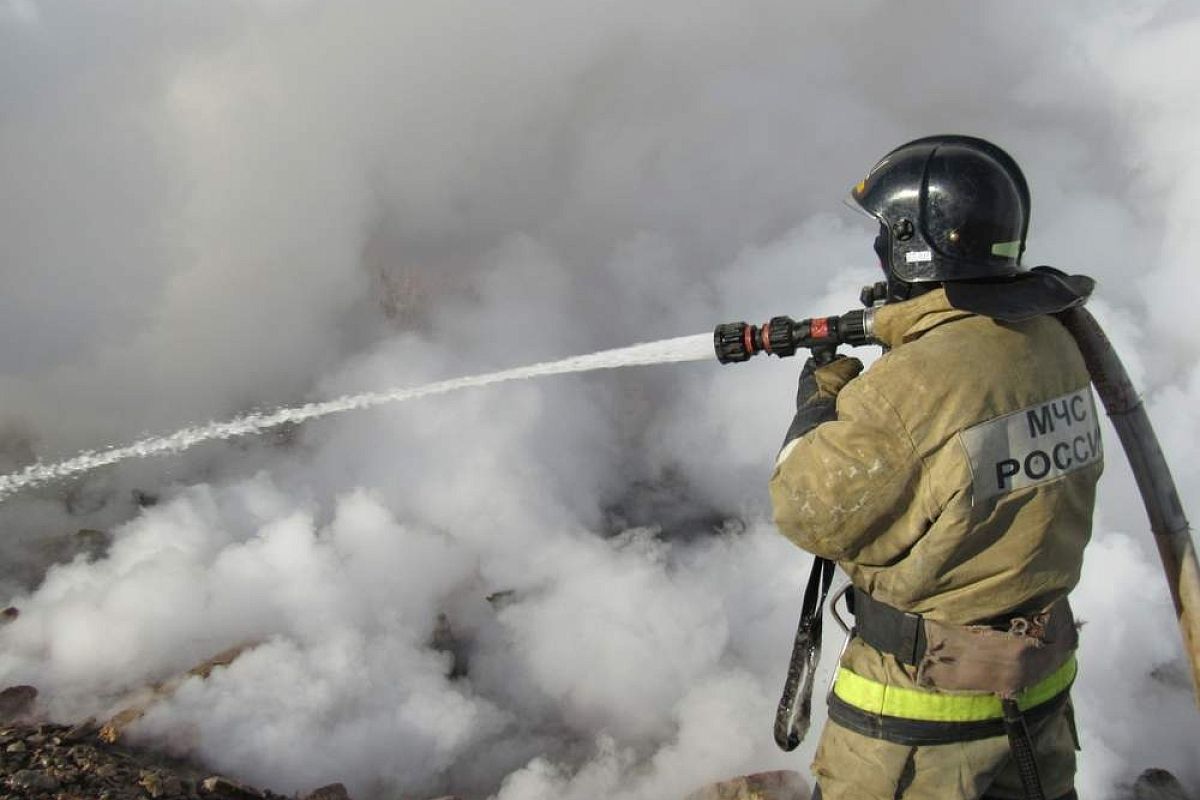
[(896, 701)]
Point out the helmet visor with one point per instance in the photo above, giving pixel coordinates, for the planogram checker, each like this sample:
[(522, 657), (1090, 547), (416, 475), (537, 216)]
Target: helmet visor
[(853, 201)]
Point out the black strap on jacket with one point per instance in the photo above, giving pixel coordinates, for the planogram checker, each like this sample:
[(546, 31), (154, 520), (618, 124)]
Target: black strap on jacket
[(1021, 744), (888, 629), (795, 705)]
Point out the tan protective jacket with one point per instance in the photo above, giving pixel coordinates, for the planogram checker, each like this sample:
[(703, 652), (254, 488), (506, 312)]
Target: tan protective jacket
[(959, 478)]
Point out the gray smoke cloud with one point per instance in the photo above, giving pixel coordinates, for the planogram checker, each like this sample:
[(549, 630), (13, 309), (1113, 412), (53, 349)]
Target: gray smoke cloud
[(210, 208)]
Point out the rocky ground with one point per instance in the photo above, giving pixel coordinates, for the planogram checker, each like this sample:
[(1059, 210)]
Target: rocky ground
[(43, 761), (91, 761), (57, 762), (64, 763)]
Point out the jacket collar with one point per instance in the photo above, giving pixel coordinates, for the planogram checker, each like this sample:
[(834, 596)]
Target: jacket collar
[(897, 323)]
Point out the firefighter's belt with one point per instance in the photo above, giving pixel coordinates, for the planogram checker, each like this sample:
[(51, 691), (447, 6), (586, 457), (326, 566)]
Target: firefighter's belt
[(919, 717), (1005, 658), (888, 629)]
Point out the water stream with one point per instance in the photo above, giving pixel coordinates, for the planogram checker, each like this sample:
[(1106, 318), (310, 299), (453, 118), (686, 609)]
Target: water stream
[(665, 351)]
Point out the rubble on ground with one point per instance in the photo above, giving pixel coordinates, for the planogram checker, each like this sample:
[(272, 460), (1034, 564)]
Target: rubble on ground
[(781, 784), (40, 761), (61, 762), (84, 761)]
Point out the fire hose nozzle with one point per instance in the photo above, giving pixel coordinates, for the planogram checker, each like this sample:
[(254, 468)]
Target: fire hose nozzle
[(735, 342)]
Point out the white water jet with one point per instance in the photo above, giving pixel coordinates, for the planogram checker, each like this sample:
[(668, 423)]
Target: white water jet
[(664, 351)]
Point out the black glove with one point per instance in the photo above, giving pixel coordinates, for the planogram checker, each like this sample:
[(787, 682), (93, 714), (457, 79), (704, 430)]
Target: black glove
[(816, 394)]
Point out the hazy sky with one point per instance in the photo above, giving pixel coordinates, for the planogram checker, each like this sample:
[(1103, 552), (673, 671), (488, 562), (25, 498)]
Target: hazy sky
[(211, 207)]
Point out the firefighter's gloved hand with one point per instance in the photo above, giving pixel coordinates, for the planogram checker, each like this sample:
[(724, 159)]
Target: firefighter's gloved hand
[(817, 392), (820, 384)]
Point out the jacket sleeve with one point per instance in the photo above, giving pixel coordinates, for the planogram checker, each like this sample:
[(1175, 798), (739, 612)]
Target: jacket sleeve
[(846, 484)]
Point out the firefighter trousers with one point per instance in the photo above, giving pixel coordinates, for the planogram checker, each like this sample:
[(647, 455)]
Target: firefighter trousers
[(851, 766)]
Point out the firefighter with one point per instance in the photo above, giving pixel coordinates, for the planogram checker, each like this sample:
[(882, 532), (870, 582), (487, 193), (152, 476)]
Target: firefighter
[(954, 483)]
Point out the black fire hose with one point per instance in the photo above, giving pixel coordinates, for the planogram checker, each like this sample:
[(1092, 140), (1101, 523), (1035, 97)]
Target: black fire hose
[(1167, 521)]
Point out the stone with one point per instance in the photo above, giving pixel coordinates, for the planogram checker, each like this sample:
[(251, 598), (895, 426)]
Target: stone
[(160, 784), (16, 747), (9, 614), (28, 780), (152, 782), (111, 731), (138, 702), (81, 731), (221, 659), (93, 544), (227, 789), (781, 784), (16, 701), (334, 791), (502, 598), (81, 754), (1158, 784), (172, 785)]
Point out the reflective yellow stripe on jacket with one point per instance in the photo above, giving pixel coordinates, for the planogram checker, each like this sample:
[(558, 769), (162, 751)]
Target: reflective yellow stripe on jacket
[(897, 701)]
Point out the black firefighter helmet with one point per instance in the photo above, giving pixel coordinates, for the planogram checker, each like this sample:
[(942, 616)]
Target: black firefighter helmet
[(954, 210), (949, 208)]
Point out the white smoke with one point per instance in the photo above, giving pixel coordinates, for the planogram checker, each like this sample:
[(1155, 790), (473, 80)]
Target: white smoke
[(211, 209)]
